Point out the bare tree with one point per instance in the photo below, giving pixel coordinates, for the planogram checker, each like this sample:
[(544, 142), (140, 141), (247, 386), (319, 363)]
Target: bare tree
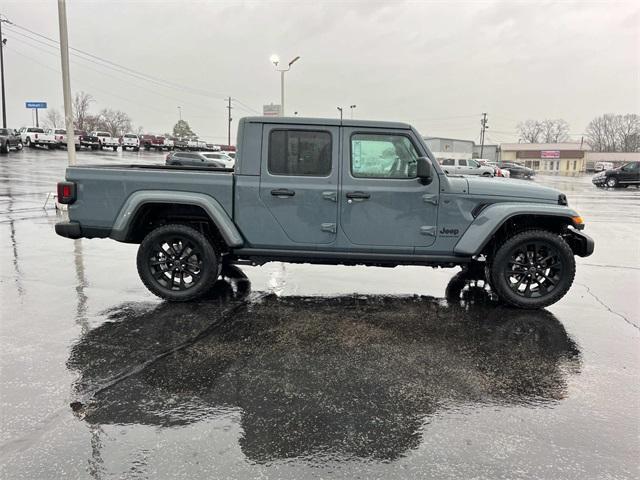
[(545, 131), (54, 119), (614, 133), (81, 103), (529, 131), (116, 122), (554, 131)]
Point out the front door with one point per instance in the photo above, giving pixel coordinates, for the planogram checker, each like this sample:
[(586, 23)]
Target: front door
[(383, 205), (629, 174), (299, 181)]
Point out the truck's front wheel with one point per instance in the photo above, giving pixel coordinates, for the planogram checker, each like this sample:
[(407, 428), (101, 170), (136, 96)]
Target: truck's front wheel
[(533, 269), (177, 263)]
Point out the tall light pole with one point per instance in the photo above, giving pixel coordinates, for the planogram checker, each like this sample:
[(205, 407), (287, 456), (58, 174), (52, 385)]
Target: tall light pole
[(3, 42), (66, 82), (351, 107), (340, 110), (276, 60), (180, 112)]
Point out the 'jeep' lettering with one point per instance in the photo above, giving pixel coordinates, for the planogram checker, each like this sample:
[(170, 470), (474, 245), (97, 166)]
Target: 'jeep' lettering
[(449, 231)]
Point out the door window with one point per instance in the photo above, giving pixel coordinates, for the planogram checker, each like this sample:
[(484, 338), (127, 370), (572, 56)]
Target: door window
[(383, 156), (299, 153), (448, 162), (462, 163)]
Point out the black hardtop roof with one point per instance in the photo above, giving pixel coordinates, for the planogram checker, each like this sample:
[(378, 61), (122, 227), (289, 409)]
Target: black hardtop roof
[(327, 122)]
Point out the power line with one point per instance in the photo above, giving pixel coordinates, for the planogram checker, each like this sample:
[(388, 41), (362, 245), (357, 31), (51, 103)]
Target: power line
[(129, 71)]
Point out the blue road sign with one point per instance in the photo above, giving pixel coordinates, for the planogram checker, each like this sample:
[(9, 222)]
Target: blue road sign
[(36, 104)]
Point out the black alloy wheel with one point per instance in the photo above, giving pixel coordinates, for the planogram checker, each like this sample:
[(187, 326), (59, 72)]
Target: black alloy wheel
[(177, 263), (533, 269)]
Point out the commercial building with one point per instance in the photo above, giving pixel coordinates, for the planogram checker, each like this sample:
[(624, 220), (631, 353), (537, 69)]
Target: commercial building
[(450, 147), (488, 152), (562, 158)]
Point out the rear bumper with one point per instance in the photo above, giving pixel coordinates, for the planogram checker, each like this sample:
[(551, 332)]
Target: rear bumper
[(74, 230), (581, 243), (69, 229)]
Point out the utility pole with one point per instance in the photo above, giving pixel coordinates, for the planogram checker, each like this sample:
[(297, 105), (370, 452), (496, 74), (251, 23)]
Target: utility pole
[(180, 112), (340, 110), (229, 107), (484, 126), (66, 82), (3, 42)]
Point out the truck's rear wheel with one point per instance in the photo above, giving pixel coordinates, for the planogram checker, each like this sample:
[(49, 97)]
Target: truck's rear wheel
[(533, 269), (177, 263)]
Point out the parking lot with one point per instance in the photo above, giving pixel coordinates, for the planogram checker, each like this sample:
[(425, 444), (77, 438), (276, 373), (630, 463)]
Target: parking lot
[(299, 371)]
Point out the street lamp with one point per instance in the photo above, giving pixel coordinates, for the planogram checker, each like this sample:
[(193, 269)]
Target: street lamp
[(340, 110), (276, 61), (180, 112), (351, 107)]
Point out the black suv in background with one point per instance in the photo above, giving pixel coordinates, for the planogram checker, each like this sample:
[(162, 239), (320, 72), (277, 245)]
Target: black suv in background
[(628, 174), (517, 171), (9, 139)]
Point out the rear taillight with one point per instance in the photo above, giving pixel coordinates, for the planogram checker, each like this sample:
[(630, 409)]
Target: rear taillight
[(66, 192), (35, 136)]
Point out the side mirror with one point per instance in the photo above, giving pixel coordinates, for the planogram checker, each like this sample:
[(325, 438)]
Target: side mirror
[(424, 169)]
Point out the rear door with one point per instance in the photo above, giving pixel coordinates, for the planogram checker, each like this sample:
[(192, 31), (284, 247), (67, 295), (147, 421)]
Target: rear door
[(299, 181)]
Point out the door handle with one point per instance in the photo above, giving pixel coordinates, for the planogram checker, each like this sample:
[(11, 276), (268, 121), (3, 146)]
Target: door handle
[(282, 192), (358, 195)]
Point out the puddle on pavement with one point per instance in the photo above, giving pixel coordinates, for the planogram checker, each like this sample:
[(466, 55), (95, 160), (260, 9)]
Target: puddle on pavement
[(345, 376)]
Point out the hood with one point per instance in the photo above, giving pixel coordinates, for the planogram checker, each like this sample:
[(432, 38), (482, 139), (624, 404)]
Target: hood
[(511, 188)]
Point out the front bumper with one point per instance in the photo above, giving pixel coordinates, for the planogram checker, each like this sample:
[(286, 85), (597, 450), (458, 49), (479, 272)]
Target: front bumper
[(599, 180), (581, 244)]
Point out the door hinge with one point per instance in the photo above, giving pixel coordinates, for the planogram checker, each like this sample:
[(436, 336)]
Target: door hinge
[(331, 196), (328, 227), (427, 230), (429, 198)]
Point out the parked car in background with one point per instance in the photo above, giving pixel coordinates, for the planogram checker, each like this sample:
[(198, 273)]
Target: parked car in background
[(59, 134), (181, 144), (602, 166), (9, 138), (464, 166), (160, 142), (89, 140), (130, 140), (203, 159), (517, 171), (35, 136), (146, 141), (624, 176), (106, 140)]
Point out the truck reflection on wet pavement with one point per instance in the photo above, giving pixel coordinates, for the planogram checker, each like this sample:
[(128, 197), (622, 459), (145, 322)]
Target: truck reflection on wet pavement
[(317, 375)]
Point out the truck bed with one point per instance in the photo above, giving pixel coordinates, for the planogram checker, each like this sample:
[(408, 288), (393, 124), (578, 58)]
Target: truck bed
[(103, 189)]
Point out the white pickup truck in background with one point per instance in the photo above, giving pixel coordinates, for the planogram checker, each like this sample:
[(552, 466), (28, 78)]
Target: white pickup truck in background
[(35, 136), (106, 140), (130, 140)]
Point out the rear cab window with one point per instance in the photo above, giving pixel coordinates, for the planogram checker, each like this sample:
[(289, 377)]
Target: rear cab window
[(299, 153)]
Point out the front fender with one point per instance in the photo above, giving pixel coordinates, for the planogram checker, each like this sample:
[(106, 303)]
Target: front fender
[(220, 218), (492, 217)]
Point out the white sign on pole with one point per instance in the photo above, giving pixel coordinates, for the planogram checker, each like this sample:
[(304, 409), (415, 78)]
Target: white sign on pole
[(271, 110)]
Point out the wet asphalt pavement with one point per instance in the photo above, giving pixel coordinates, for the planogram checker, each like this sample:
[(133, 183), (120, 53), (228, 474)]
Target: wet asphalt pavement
[(297, 371)]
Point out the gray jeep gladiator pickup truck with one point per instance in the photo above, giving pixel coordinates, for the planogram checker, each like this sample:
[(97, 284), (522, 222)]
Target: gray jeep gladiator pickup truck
[(330, 192)]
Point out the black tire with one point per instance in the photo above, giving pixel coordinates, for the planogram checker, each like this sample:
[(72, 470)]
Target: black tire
[(161, 268), (135, 149), (94, 147), (612, 182), (4, 148), (115, 149), (28, 142), (19, 146), (539, 261)]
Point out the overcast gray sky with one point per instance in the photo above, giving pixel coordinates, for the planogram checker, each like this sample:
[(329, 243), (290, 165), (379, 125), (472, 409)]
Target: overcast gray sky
[(437, 65)]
